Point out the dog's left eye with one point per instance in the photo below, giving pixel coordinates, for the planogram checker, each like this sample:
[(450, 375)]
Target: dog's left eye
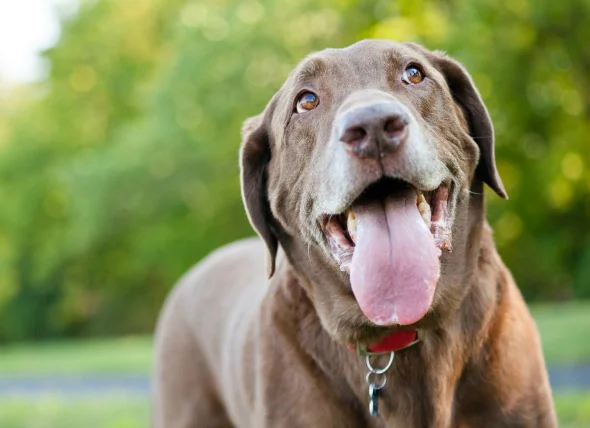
[(412, 75), (307, 101)]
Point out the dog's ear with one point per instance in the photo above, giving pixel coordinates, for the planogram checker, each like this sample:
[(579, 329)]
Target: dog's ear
[(480, 125), (254, 158)]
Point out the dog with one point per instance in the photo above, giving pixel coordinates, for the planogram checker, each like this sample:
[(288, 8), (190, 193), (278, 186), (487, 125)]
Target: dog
[(364, 179)]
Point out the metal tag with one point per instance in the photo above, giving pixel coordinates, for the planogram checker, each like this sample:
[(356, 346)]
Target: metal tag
[(374, 393)]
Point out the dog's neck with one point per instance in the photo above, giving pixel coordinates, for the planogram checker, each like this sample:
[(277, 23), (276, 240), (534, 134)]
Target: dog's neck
[(426, 373)]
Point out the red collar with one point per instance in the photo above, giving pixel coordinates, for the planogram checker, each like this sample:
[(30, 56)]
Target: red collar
[(396, 341)]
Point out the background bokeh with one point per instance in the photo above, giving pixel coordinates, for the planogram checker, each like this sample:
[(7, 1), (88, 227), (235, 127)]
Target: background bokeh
[(118, 171)]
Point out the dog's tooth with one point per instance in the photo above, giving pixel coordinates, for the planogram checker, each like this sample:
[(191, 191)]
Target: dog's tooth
[(420, 197), (351, 225), (424, 210)]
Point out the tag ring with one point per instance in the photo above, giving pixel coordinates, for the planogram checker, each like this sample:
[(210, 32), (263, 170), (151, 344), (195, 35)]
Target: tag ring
[(374, 385), (382, 370)]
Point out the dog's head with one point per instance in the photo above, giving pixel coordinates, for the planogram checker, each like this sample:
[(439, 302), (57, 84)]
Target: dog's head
[(363, 167)]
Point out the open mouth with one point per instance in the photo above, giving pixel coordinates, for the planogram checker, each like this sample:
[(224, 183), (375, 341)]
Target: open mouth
[(390, 240), (341, 229)]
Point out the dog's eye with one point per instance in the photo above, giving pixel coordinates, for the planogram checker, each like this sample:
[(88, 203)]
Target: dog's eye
[(307, 101), (412, 75)]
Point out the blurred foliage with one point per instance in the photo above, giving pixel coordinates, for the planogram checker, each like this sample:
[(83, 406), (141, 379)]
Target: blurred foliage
[(119, 170), (54, 410)]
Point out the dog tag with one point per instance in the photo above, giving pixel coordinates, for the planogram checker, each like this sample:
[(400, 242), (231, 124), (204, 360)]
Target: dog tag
[(374, 399)]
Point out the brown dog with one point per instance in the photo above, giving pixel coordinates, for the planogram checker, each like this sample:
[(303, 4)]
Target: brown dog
[(364, 177)]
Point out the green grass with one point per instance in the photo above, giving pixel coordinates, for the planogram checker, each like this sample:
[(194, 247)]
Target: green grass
[(564, 330), (573, 410), (130, 355), (49, 411), (60, 412)]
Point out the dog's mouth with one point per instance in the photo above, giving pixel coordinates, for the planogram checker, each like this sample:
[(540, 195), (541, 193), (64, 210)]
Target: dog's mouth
[(389, 241)]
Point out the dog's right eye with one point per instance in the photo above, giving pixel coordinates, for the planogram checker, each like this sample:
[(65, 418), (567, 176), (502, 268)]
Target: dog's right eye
[(412, 75), (307, 101)]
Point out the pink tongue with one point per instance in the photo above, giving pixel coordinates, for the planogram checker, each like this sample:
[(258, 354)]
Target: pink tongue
[(395, 268)]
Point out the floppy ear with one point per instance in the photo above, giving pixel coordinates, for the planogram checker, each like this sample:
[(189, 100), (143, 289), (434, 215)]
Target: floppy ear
[(480, 125), (254, 158)]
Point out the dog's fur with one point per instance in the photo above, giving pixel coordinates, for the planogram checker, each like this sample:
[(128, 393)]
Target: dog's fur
[(236, 349)]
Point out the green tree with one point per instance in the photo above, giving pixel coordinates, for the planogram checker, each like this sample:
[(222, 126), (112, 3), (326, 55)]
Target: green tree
[(119, 171), (124, 173)]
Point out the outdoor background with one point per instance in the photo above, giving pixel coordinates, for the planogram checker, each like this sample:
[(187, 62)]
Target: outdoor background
[(118, 171)]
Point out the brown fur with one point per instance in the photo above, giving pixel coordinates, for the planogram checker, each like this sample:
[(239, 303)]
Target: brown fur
[(235, 349)]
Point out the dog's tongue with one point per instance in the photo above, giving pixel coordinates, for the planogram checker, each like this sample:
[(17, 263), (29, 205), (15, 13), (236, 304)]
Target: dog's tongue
[(395, 268)]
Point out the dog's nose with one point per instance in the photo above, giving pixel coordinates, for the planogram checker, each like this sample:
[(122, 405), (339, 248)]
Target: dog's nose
[(373, 130)]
